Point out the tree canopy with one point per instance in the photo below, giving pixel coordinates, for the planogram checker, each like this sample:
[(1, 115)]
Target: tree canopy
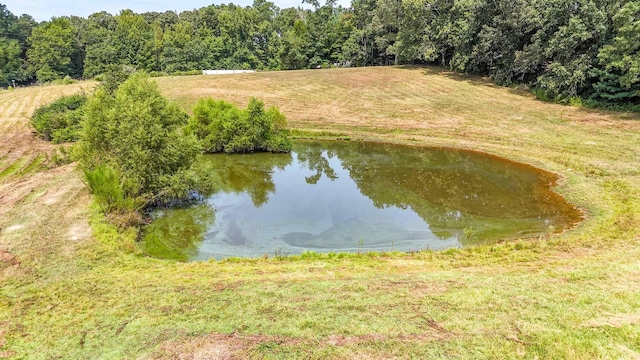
[(136, 134), (562, 48)]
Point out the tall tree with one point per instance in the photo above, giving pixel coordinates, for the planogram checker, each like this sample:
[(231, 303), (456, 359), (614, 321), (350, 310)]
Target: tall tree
[(11, 64), (133, 41), (620, 79), (99, 43), (359, 49), (296, 46), (52, 50), (14, 32)]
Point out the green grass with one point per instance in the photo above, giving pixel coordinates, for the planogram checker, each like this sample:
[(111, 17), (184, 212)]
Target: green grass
[(314, 134), (427, 304), (13, 168), (574, 295), (36, 164)]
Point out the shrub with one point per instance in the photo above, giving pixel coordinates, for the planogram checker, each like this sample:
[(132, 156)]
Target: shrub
[(67, 80), (109, 190), (60, 121), (138, 134), (222, 127), (576, 101), (541, 94), (187, 73), (155, 74)]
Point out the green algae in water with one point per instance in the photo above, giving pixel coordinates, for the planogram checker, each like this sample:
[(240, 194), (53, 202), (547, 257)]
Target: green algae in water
[(359, 196), (176, 233)]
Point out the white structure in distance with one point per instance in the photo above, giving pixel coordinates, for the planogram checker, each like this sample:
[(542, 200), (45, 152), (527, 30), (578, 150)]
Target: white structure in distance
[(225, 72)]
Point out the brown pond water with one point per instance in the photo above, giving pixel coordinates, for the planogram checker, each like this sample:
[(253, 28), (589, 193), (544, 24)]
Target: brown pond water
[(359, 197)]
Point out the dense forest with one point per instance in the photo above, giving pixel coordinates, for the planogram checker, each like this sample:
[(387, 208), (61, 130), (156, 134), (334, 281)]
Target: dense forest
[(585, 51)]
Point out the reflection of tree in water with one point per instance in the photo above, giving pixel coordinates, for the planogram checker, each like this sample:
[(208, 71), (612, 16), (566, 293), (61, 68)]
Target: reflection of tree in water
[(247, 173), (472, 196), (177, 233), (312, 157)]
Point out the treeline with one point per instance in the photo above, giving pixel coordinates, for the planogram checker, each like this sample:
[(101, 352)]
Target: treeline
[(565, 50)]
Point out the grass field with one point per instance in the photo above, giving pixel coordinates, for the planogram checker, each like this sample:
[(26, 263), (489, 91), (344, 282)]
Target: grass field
[(69, 292)]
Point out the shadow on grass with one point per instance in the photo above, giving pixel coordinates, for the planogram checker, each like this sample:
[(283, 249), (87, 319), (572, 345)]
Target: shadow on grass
[(430, 70), (520, 90)]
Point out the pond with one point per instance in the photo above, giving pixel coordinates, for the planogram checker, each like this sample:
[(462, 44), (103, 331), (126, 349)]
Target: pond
[(346, 196)]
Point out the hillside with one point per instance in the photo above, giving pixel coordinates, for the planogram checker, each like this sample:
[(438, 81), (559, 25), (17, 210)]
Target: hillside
[(69, 294), (430, 106)]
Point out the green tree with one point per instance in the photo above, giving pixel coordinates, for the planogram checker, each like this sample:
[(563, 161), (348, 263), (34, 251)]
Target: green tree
[(99, 44), (138, 134), (184, 49), (620, 79), (296, 46), (52, 50), (14, 32), (359, 48), (133, 40), (386, 23), (11, 64)]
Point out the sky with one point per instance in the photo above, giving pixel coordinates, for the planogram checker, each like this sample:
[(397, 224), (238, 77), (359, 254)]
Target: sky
[(43, 10)]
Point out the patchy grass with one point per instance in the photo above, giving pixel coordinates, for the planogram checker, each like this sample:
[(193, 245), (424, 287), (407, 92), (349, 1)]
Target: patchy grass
[(66, 294)]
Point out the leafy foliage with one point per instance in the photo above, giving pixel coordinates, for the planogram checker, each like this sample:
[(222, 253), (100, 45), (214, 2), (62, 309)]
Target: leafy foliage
[(52, 53), (566, 49), (12, 65), (60, 121), (138, 134), (222, 127), (113, 77), (619, 82), (13, 45)]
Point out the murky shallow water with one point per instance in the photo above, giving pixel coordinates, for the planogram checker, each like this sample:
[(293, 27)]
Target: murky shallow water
[(359, 197)]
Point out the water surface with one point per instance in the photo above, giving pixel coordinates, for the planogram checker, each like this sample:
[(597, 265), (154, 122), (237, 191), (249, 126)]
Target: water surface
[(359, 197)]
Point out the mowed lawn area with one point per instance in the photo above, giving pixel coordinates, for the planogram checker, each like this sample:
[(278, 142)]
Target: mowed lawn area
[(72, 287)]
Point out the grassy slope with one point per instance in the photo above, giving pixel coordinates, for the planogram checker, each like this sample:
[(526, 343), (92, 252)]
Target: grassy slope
[(576, 295)]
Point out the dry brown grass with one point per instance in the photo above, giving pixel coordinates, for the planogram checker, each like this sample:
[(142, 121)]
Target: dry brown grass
[(426, 106), (42, 207)]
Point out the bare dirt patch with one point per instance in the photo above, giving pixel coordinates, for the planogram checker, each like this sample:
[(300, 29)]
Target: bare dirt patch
[(15, 190), (18, 143), (6, 258), (79, 231), (213, 346), (3, 341)]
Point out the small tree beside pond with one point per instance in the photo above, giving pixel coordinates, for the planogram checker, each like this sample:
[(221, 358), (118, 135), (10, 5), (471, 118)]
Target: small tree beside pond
[(137, 135)]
